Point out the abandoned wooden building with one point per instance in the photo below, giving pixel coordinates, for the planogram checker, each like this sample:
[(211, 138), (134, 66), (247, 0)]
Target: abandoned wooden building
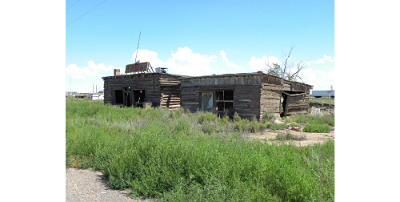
[(143, 88), (248, 94)]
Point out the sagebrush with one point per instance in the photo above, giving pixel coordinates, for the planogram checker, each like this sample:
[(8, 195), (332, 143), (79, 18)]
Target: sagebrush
[(178, 156)]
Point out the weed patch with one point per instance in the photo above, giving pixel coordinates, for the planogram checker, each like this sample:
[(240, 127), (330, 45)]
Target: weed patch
[(317, 128), (289, 136), (327, 119), (178, 156)]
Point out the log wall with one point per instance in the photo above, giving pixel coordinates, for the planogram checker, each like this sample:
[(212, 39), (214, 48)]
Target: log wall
[(298, 103), (160, 89), (246, 92)]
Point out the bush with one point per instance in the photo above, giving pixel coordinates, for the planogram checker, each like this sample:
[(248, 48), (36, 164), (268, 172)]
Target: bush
[(317, 128), (289, 136), (209, 127), (268, 116), (156, 154), (254, 125), (208, 116), (327, 119), (236, 117), (277, 126)]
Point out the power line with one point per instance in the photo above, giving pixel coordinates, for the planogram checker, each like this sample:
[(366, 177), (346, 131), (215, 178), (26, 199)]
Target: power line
[(72, 5), (86, 13)]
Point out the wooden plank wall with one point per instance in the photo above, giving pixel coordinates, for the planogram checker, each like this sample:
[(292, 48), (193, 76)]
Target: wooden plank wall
[(190, 99), (170, 89), (270, 98), (149, 83), (246, 92), (298, 103), (246, 98), (247, 101)]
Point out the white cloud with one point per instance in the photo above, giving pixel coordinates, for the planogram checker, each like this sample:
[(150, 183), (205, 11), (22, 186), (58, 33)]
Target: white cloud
[(227, 62), (320, 80), (100, 67), (148, 56), (260, 64), (92, 70), (185, 62), (324, 59)]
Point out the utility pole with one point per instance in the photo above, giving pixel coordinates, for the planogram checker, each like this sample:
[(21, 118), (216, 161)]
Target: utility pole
[(137, 50)]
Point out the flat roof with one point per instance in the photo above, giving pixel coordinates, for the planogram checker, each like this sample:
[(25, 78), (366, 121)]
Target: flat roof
[(146, 73), (239, 74)]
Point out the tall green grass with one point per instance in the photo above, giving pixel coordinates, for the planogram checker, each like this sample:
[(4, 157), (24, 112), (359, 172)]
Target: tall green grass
[(327, 119), (177, 156)]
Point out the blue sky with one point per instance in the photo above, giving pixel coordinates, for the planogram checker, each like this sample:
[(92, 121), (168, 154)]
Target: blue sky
[(197, 38)]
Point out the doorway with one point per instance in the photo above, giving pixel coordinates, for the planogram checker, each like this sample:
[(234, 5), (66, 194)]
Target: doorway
[(118, 97), (128, 99), (139, 96)]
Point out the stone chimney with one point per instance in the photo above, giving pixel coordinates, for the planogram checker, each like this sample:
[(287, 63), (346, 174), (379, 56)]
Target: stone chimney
[(116, 72)]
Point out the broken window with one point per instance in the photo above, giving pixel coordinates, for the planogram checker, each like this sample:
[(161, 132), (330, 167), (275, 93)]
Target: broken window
[(223, 100), (119, 99)]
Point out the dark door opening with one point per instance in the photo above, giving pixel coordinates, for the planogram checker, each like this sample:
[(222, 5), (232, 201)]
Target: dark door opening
[(128, 99), (284, 105), (118, 97), (139, 96)]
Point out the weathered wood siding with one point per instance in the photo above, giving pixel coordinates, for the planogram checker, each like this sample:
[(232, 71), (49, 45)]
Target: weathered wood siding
[(298, 103), (246, 92), (247, 101), (270, 98), (190, 98), (170, 89), (160, 89), (148, 82)]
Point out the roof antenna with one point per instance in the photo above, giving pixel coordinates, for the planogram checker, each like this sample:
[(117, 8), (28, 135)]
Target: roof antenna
[(137, 50)]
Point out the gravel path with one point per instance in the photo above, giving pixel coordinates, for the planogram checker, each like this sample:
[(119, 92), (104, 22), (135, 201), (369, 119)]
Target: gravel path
[(88, 185)]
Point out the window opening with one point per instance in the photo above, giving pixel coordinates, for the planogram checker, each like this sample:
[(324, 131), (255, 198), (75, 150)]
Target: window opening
[(223, 102)]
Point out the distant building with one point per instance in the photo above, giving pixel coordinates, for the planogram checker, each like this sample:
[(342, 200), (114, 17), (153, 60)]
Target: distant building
[(323, 93), (97, 96)]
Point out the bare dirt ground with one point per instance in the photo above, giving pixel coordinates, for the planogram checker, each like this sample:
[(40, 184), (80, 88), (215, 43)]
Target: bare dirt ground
[(88, 185), (311, 138)]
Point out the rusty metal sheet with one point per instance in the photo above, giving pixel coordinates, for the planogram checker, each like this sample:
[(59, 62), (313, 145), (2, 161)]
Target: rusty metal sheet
[(137, 67)]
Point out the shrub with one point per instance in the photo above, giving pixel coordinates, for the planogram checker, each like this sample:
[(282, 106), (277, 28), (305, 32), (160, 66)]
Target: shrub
[(327, 119), (208, 116), (277, 126), (224, 120), (208, 127), (254, 125), (236, 117), (156, 154), (268, 116), (317, 128), (289, 136)]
